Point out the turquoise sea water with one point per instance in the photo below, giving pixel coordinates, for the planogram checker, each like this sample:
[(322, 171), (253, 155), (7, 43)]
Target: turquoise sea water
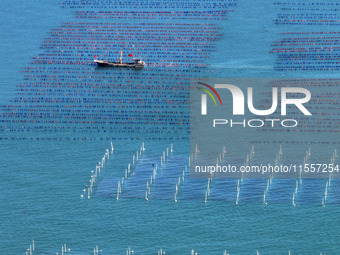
[(59, 114)]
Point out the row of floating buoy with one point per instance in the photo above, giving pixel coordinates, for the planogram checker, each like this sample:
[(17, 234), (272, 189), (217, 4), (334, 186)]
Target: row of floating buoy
[(305, 160), (186, 6), (250, 155), (180, 180), (96, 250), (299, 182), (278, 155), (270, 179), (221, 156), (95, 173), (164, 157), (248, 158), (210, 178), (148, 184), (31, 249), (196, 150), (64, 250), (189, 15), (246, 163), (165, 154), (207, 192), (329, 181), (295, 192), (127, 171), (238, 189), (161, 252), (129, 251)]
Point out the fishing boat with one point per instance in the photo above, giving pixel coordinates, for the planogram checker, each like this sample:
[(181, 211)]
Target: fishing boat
[(138, 63)]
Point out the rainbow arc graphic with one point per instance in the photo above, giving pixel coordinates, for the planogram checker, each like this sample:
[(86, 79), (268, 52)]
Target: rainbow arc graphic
[(204, 97)]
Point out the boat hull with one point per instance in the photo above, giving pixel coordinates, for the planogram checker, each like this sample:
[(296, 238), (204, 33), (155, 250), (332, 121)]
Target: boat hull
[(102, 63)]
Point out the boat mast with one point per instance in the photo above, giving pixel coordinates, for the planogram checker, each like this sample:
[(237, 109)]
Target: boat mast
[(121, 57)]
